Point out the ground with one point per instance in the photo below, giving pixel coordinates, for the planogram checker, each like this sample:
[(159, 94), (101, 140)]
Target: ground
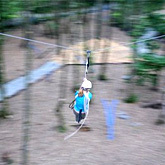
[(138, 141)]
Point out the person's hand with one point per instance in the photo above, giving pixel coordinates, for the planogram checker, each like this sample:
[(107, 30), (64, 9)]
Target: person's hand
[(84, 79)]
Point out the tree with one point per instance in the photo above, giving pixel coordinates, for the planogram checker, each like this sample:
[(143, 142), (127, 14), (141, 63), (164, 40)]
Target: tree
[(4, 108), (27, 106), (135, 10), (148, 67), (63, 76), (105, 54)]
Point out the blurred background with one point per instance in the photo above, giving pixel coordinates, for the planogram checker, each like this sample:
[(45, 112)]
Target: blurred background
[(43, 51)]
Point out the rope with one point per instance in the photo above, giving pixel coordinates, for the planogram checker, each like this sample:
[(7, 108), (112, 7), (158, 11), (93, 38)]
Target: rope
[(72, 134), (39, 42), (65, 47), (131, 43)]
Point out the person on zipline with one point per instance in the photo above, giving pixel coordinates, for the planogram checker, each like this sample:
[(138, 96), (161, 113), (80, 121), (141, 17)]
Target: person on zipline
[(82, 99)]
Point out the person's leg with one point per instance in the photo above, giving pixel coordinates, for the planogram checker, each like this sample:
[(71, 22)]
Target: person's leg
[(83, 115), (80, 116), (76, 115)]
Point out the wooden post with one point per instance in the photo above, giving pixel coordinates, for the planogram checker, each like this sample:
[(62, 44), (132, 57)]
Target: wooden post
[(4, 110), (27, 97), (105, 54), (62, 91), (163, 103)]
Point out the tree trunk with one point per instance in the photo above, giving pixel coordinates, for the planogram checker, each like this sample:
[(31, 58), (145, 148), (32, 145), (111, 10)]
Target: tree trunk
[(4, 105), (163, 103), (161, 117), (4, 108), (27, 97), (105, 54), (76, 38), (99, 25), (62, 88), (99, 19), (27, 108)]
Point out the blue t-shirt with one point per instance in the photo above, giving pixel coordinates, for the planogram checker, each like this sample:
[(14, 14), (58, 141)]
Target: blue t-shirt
[(79, 104)]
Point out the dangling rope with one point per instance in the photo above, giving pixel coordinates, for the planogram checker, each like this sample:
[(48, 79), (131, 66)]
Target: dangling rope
[(69, 136), (86, 100)]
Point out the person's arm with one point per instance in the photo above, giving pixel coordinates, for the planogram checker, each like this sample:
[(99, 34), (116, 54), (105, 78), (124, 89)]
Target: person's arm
[(90, 95), (76, 93)]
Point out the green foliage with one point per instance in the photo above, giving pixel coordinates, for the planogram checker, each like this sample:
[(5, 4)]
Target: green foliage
[(48, 6), (159, 122), (138, 29), (148, 66), (10, 9), (4, 113), (140, 81), (13, 8), (132, 98), (117, 19), (140, 14), (74, 5), (51, 29), (157, 22), (152, 5), (153, 44), (102, 77), (61, 129), (42, 6), (157, 62), (79, 4)]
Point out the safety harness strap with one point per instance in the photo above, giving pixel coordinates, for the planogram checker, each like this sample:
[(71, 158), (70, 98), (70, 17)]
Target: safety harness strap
[(87, 62)]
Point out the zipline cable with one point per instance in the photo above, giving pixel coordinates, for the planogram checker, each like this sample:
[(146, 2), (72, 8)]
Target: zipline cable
[(131, 43), (65, 47), (36, 41)]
